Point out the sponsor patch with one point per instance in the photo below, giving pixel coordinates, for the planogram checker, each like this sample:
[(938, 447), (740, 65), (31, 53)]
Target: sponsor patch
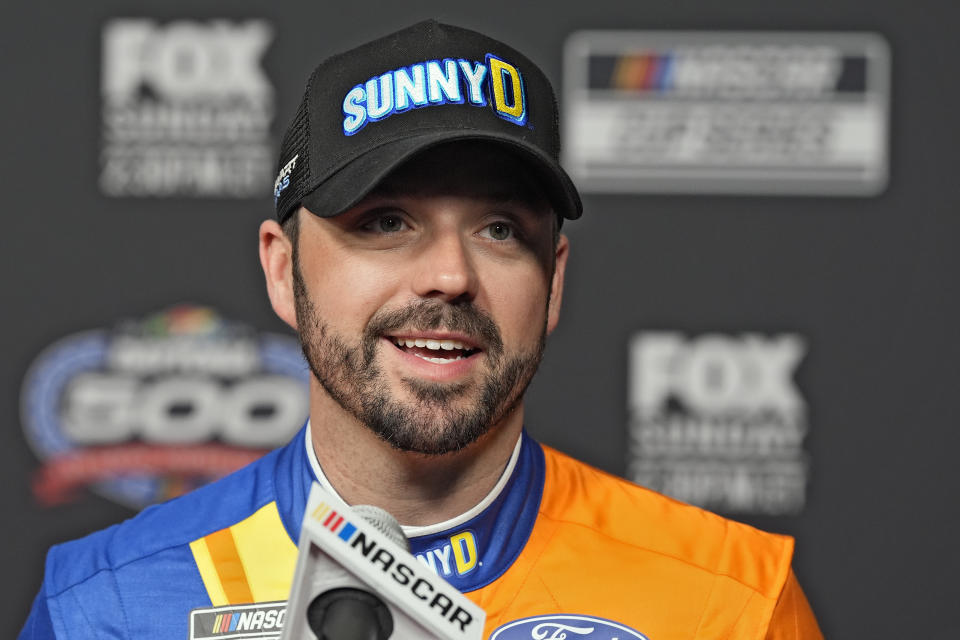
[(153, 408), (564, 627), (493, 82), (238, 622), (283, 178), (455, 556)]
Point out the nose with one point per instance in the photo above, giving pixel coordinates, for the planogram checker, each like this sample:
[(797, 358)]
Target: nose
[(445, 268)]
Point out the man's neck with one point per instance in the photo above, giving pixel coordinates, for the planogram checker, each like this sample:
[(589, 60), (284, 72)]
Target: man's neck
[(417, 489)]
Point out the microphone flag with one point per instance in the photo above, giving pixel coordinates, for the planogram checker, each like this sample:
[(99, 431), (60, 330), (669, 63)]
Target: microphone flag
[(340, 550)]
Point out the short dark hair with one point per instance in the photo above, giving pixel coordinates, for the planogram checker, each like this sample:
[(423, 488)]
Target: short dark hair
[(291, 229)]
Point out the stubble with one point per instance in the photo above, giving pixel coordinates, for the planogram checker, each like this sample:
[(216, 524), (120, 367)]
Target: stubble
[(441, 417)]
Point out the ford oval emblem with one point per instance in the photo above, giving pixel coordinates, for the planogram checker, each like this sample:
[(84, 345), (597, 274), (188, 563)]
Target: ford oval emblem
[(564, 627)]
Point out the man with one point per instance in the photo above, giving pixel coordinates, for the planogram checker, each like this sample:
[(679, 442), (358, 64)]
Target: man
[(417, 253)]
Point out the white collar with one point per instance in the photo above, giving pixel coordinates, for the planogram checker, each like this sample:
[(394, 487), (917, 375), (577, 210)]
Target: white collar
[(413, 531)]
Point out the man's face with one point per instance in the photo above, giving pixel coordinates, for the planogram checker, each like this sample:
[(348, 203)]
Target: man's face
[(423, 309)]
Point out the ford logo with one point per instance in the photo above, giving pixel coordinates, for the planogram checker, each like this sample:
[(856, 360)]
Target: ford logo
[(564, 627)]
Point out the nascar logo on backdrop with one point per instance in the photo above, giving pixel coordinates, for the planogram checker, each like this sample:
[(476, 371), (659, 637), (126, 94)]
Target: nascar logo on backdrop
[(154, 408), (187, 108), (717, 420), (727, 112)]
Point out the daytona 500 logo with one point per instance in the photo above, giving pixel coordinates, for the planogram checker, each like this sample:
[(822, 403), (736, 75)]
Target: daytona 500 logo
[(154, 408)]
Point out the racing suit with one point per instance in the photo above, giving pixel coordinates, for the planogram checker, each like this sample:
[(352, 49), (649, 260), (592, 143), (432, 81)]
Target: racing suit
[(557, 546)]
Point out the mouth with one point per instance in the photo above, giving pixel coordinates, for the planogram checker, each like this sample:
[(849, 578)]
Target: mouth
[(437, 350)]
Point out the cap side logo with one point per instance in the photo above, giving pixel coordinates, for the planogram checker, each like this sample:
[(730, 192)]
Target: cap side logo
[(283, 178), (493, 82)]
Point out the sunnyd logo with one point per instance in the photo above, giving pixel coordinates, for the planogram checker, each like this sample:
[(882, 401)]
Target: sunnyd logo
[(456, 556), (435, 82), (565, 627), (187, 108), (154, 408)]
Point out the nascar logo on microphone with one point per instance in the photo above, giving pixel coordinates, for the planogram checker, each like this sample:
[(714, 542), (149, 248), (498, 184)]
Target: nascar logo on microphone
[(462, 546), (403, 574), (372, 557), (332, 520)]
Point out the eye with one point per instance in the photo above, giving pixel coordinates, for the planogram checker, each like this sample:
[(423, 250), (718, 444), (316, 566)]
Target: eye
[(499, 231), (390, 224), (385, 223)]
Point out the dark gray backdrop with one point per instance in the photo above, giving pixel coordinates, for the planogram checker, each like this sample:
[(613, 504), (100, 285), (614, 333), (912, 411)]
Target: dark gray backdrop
[(870, 283)]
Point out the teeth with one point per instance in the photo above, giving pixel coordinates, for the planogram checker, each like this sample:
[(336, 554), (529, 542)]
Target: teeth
[(436, 345), (438, 360)]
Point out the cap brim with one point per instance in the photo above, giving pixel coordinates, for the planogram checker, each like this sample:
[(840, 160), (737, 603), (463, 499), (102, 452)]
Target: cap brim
[(349, 184)]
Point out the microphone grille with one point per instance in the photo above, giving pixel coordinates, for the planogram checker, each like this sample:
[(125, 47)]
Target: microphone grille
[(383, 522)]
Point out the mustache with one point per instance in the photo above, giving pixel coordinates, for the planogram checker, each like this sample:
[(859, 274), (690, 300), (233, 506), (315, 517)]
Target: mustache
[(425, 315)]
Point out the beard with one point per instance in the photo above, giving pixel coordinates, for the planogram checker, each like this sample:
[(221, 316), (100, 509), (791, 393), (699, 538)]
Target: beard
[(433, 423)]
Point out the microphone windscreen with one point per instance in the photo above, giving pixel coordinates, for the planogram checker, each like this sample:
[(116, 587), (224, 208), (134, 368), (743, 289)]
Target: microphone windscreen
[(384, 523)]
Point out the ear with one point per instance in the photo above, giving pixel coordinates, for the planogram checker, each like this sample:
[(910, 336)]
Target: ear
[(276, 258), (556, 284)]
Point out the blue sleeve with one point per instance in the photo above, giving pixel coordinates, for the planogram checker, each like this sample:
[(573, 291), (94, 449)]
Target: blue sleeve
[(38, 625)]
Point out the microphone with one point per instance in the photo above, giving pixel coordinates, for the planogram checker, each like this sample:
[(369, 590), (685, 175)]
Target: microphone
[(357, 580)]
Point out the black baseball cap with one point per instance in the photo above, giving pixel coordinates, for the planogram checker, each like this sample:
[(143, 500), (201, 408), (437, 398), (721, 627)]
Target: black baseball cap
[(368, 110)]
